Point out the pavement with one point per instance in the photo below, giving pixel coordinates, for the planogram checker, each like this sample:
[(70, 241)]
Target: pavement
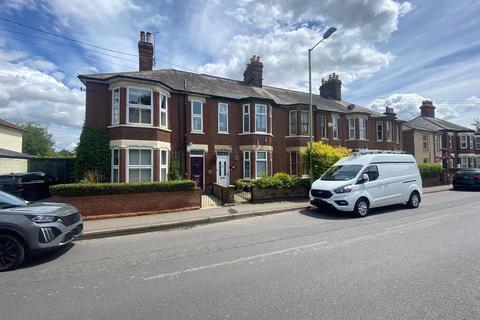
[(185, 219), (397, 263)]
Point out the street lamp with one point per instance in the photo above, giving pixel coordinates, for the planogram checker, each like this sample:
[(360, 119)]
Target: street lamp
[(327, 34)]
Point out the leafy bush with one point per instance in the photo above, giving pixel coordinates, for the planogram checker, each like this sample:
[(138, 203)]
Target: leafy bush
[(93, 154), (281, 180), (174, 172), (430, 170), (243, 184), (323, 157), (86, 189)]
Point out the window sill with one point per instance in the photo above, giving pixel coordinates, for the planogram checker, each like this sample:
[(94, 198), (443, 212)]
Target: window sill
[(298, 136), (257, 133), (223, 132), (197, 132), (132, 125)]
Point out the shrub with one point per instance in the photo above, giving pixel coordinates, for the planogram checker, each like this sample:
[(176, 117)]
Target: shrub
[(430, 170), (243, 184), (174, 172), (281, 180), (86, 189), (92, 176), (323, 157), (93, 154)]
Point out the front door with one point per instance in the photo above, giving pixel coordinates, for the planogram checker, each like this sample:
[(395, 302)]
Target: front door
[(223, 168), (196, 170)]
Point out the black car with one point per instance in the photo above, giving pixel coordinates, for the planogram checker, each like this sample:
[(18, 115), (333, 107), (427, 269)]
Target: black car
[(29, 186), (467, 179)]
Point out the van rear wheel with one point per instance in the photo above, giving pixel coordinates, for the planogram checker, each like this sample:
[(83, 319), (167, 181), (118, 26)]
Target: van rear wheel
[(414, 200), (362, 208)]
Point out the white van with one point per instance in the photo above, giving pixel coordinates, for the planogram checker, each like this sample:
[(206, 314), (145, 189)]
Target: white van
[(365, 181)]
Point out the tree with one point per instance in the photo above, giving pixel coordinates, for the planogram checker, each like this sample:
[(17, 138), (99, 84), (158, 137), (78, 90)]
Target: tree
[(64, 153), (93, 154), (323, 157), (476, 124), (37, 141)]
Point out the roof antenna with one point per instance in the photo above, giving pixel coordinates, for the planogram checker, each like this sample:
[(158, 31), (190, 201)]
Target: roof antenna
[(153, 58)]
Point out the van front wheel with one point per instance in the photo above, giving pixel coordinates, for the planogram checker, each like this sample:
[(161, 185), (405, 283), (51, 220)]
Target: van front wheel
[(414, 200), (362, 208)]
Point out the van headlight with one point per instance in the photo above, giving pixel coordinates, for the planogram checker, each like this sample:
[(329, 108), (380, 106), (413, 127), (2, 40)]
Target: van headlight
[(344, 189)]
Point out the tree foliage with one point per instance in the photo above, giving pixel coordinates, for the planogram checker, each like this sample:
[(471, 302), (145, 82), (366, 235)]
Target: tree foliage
[(476, 124), (93, 154), (323, 157), (37, 141), (174, 172)]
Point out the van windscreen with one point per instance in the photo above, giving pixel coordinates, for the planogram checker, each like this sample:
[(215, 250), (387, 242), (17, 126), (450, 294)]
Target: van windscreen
[(341, 173)]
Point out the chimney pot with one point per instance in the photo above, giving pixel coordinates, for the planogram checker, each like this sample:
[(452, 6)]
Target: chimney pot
[(142, 36), (149, 37), (427, 109)]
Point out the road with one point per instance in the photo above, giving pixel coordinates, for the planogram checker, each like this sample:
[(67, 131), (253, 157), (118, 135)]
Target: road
[(395, 264)]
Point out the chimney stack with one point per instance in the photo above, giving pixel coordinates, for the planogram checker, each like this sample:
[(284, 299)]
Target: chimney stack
[(389, 112), (427, 109), (332, 87), (253, 74), (145, 52)]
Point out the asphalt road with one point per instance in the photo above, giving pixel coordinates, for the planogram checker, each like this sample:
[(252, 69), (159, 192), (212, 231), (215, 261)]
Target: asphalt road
[(395, 264)]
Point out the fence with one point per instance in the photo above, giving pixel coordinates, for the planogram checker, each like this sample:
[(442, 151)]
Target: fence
[(61, 169)]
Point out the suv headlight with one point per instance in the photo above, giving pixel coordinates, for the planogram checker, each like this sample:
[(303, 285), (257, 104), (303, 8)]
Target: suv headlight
[(45, 219), (344, 189)]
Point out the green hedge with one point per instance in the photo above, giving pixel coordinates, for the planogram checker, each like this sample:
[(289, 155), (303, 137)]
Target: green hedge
[(87, 189), (281, 180), (430, 170)]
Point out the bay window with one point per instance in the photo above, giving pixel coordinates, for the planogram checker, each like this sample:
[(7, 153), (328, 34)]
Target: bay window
[(115, 165), (293, 122), (139, 106), (305, 123), (379, 130), (294, 163), (246, 165), (477, 143), (163, 111), (246, 118), (335, 127), (323, 127), (116, 106), (197, 116), (362, 128), (223, 118), (163, 165), (260, 118), (351, 128), (463, 142), (389, 131), (260, 163), (140, 165)]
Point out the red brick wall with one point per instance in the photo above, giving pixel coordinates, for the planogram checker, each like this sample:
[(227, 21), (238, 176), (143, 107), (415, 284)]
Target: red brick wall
[(118, 205)]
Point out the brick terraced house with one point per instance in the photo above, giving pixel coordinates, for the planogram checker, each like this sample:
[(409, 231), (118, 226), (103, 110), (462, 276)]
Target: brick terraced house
[(217, 129)]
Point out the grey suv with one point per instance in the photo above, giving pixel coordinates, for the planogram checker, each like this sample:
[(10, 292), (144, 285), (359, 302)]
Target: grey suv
[(29, 228)]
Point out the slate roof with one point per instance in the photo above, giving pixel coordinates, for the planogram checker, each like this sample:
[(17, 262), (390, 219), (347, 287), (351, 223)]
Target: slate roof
[(4, 153), (229, 88), (433, 124), (10, 125)]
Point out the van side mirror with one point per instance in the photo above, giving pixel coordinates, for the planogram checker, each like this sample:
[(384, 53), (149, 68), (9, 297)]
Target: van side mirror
[(364, 178)]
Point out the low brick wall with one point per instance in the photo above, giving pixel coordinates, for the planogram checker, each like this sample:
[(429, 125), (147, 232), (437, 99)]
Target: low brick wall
[(266, 195), (431, 182), (224, 193), (133, 204)]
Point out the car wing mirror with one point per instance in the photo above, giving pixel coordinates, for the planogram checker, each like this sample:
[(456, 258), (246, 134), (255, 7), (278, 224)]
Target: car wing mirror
[(364, 178)]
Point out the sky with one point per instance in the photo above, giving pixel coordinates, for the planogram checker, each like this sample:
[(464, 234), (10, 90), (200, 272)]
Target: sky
[(394, 53)]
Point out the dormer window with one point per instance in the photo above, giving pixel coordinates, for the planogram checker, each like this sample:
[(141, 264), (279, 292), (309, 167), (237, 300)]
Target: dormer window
[(139, 106)]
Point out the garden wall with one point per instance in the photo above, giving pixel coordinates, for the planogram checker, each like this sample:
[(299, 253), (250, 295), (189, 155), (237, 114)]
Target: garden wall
[(269, 194)]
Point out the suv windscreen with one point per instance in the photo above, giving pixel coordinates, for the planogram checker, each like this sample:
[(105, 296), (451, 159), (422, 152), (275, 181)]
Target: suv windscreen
[(9, 201), (341, 173), (6, 179), (468, 173)]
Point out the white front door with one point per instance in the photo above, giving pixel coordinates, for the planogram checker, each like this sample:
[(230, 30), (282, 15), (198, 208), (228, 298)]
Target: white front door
[(223, 168)]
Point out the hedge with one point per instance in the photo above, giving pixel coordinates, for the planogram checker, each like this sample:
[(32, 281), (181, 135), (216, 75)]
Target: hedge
[(87, 189), (281, 180), (430, 170)]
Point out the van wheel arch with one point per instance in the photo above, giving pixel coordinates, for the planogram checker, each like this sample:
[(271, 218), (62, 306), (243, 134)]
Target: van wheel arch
[(414, 199), (360, 210)]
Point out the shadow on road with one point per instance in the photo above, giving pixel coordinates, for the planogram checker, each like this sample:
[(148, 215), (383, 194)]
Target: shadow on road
[(331, 214), (45, 257)]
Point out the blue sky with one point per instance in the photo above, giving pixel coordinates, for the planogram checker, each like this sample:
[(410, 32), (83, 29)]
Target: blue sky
[(387, 52)]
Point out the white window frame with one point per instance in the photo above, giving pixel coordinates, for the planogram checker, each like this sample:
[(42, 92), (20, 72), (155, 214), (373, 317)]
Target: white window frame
[(477, 143), (247, 160), (292, 132), (351, 128), (450, 140), (218, 116), (378, 125), (335, 128), (389, 131), (438, 142), (323, 127), (261, 114), (262, 160), (196, 116), (302, 113), (297, 172), (425, 141), (362, 128), (139, 106), (463, 162), (115, 106), (399, 128), (128, 166), (163, 110), (163, 166), (115, 166), (462, 146), (472, 143), (247, 116)]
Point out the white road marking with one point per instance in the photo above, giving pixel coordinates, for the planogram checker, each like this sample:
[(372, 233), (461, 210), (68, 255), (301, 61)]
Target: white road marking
[(220, 264)]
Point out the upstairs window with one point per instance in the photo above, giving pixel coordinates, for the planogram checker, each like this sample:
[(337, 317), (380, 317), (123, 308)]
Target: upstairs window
[(260, 118), (139, 106), (351, 128), (246, 118), (399, 128), (116, 106), (438, 142), (425, 142), (163, 111), (463, 142), (305, 123), (323, 127), (362, 128), (379, 130), (389, 131), (477, 144), (293, 122), (223, 118), (197, 116), (450, 141), (335, 127)]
